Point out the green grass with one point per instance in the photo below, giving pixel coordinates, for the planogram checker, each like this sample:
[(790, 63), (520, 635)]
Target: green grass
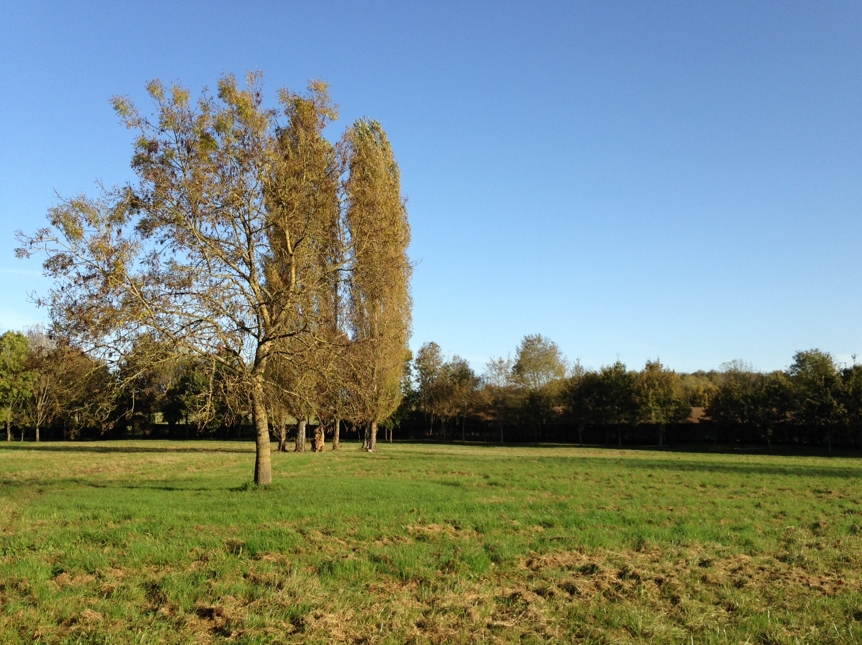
[(158, 542)]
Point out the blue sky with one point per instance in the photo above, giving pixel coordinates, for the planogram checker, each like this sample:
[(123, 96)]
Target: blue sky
[(679, 181)]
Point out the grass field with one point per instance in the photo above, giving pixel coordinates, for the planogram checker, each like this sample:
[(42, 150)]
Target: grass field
[(159, 542)]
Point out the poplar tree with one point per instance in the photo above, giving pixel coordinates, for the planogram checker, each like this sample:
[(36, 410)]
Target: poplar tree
[(307, 252), (379, 283)]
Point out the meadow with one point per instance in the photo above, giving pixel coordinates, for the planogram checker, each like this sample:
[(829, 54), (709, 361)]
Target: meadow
[(168, 542)]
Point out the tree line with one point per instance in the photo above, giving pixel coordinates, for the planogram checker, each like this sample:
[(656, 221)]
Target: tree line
[(537, 396)]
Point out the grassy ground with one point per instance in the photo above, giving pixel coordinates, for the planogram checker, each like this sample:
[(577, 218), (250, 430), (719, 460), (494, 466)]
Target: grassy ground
[(158, 542)]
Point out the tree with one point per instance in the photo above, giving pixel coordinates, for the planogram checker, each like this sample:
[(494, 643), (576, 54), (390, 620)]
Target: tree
[(461, 383), (16, 380), (42, 403), (661, 397), (617, 397), (429, 368), (539, 364), (379, 283), (499, 386), (306, 201), (817, 392), (185, 254), (852, 398), (87, 394)]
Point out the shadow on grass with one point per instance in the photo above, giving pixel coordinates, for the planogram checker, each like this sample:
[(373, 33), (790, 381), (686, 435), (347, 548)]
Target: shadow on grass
[(97, 449), (745, 468), (725, 467)]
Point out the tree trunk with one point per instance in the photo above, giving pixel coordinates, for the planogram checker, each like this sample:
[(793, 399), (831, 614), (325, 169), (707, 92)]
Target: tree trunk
[(282, 437), (501, 433), (299, 444), (37, 433), (335, 434), (9, 424), (620, 435), (660, 435), (463, 430), (263, 458), (319, 438), (370, 444), (580, 435)]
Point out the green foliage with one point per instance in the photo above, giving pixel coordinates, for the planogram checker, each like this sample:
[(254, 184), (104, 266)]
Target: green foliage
[(538, 362), (16, 380)]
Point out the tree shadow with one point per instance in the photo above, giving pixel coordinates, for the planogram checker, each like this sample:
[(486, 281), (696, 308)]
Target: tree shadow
[(788, 470), (115, 449)]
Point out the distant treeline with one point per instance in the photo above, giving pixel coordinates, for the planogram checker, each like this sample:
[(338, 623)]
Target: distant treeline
[(54, 391), (539, 397)]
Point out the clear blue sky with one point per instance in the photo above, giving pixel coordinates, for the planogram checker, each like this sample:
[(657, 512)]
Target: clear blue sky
[(634, 180)]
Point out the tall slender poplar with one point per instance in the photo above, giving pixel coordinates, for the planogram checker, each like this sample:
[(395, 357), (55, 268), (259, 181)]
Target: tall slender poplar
[(379, 283)]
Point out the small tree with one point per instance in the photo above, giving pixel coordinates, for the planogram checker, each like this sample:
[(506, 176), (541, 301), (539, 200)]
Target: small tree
[(540, 368), (661, 397), (818, 395), (42, 405), (617, 394), (16, 379), (428, 366), (852, 399), (499, 388)]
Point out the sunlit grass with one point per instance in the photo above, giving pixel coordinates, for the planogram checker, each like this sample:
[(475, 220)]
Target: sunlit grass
[(152, 542)]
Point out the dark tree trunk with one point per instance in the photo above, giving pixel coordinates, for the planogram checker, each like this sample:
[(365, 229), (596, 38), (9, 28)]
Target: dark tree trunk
[(299, 443), (501, 433), (37, 433), (620, 435), (463, 429), (336, 428), (580, 434), (263, 458), (282, 436)]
